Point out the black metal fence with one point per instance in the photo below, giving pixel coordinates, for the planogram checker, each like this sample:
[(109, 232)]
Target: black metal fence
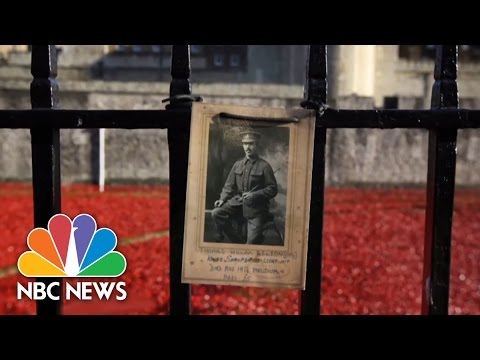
[(443, 120)]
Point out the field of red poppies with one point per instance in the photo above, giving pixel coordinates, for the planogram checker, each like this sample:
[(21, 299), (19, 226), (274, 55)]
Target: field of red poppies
[(372, 259)]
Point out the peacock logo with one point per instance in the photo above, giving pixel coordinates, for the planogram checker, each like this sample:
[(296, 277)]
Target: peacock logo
[(72, 249)]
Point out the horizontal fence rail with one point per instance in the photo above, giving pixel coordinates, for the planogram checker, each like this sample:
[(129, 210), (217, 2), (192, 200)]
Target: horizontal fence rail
[(178, 118)]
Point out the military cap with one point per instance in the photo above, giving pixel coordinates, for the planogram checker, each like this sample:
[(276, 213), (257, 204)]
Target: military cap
[(249, 136)]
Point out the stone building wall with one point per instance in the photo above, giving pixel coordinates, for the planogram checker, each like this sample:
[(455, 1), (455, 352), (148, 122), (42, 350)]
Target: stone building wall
[(397, 156)]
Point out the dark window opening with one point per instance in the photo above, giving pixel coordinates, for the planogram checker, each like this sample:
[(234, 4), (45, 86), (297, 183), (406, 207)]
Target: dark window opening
[(416, 52), (196, 49), (218, 60), (390, 102), (466, 53), (234, 60), (139, 49), (226, 57), (469, 53)]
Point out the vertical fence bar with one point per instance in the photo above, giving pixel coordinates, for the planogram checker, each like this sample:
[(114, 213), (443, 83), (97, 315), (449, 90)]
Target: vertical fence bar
[(442, 151), (45, 156), (315, 95), (178, 144)]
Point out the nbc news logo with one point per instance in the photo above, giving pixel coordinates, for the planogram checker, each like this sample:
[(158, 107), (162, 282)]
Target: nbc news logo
[(72, 249)]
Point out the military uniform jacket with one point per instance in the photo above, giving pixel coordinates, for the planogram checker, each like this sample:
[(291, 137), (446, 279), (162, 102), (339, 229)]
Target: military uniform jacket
[(254, 176)]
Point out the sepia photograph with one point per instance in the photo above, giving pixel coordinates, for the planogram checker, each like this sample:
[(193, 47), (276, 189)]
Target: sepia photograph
[(248, 195), (247, 181)]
